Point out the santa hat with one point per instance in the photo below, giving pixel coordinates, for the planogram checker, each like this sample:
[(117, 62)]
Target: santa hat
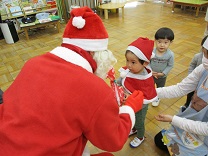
[(86, 30), (142, 48)]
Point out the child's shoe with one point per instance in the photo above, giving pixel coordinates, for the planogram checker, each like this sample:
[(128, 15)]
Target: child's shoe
[(136, 142), (156, 103), (133, 131)]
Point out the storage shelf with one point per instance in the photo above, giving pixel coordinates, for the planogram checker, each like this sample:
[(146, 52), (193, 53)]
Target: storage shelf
[(38, 9)]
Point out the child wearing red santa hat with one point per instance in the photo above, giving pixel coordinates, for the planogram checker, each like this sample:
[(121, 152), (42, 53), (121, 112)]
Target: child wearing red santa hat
[(57, 102), (137, 75)]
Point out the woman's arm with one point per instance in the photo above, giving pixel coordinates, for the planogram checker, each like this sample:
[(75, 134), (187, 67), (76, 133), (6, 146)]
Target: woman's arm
[(186, 86), (196, 127)]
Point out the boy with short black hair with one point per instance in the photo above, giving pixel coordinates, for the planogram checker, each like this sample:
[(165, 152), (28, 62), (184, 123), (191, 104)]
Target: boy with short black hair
[(163, 61)]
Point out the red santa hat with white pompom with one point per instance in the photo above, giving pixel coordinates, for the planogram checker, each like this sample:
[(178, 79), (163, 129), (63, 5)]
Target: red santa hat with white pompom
[(142, 48), (86, 30)]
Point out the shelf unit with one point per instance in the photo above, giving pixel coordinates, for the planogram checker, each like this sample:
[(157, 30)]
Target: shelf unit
[(34, 10)]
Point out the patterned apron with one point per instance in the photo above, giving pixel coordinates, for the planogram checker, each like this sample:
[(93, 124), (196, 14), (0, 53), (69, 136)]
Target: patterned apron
[(183, 143)]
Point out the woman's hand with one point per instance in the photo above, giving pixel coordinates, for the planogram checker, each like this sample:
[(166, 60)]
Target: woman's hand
[(164, 118)]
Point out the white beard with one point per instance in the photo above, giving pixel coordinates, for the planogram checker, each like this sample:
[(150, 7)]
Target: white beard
[(105, 61)]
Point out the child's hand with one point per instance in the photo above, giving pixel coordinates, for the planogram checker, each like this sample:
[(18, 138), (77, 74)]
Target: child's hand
[(157, 75), (164, 118), (160, 74), (154, 74)]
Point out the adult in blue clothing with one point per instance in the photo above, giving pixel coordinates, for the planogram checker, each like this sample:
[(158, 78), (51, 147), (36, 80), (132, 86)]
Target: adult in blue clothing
[(188, 134)]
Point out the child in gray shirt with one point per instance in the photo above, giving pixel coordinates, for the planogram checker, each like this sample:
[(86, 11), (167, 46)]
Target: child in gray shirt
[(163, 61)]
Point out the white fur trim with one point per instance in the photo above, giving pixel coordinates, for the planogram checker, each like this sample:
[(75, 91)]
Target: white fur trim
[(123, 74), (88, 44), (128, 110), (145, 101), (73, 57), (205, 45), (138, 53), (136, 76)]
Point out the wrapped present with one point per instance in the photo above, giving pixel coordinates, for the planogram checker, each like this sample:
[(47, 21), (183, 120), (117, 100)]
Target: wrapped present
[(118, 90), (52, 4)]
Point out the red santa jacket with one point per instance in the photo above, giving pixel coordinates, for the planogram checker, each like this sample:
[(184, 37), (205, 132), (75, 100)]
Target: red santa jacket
[(144, 83), (54, 107)]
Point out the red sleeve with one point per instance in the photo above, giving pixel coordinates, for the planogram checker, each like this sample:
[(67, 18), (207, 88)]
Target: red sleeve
[(109, 130)]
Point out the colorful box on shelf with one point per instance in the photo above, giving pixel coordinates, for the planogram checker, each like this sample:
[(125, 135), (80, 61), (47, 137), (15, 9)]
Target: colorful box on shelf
[(52, 4)]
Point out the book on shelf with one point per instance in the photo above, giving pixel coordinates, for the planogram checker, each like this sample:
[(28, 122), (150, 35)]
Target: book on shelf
[(51, 3), (28, 9), (16, 10)]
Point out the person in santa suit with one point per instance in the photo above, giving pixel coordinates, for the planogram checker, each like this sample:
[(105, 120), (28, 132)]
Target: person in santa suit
[(137, 75), (57, 102)]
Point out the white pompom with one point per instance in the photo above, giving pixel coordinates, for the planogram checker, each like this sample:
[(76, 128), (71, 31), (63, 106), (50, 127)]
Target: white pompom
[(123, 74), (78, 22)]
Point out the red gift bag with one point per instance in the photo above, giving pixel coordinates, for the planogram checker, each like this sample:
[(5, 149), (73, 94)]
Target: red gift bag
[(118, 90)]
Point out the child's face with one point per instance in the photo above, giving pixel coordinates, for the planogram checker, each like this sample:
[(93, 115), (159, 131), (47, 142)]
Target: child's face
[(133, 64), (162, 45)]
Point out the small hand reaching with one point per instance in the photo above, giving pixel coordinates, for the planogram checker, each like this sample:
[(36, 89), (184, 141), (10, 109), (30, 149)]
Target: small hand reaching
[(157, 75), (164, 118), (154, 74)]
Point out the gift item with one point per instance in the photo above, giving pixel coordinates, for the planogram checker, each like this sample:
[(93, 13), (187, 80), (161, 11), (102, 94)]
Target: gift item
[(118, 90)]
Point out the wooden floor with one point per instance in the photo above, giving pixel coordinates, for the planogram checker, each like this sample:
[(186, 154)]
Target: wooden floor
[(140, 19)]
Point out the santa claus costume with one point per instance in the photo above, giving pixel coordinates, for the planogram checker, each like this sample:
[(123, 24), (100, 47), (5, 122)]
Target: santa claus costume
[(56, 104)]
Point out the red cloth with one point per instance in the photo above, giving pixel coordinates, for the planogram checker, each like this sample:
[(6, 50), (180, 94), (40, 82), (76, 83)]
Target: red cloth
[(118, 90), (103, 154), (146, 85), (53, 107)]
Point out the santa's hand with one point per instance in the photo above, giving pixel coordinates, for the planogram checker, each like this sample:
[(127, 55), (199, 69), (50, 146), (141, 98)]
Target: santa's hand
[(164, 118), (135, 100)]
